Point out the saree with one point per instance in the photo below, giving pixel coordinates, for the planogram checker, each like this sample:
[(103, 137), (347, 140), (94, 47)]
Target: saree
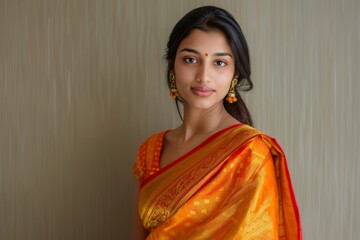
[(234, 185)]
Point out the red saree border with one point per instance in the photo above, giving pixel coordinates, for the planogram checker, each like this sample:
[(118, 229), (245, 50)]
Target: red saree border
[(201, 145)]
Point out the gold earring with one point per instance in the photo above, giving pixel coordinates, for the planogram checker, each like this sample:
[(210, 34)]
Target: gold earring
[(173, 90), (231, 96)]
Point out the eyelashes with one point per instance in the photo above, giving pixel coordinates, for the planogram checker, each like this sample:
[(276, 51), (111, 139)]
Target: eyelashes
[(220, 63), (192, 60)]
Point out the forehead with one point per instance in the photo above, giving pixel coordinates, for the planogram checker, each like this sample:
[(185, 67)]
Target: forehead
[(206, 41)]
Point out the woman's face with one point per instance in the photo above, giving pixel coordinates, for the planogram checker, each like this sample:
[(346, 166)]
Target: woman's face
[(204, 67)]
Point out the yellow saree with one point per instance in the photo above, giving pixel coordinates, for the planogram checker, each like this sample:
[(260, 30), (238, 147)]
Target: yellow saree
[(235, 185)]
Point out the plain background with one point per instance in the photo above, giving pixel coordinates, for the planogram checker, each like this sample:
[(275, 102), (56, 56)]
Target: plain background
[(82, 84)]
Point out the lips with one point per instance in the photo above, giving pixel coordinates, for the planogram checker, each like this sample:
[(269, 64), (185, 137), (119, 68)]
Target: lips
[(202, 91)]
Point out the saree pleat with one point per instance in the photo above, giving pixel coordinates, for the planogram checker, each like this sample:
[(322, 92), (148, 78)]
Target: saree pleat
[(235, 185)]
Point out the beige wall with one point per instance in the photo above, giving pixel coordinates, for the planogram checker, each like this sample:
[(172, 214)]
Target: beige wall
[(82, 84)]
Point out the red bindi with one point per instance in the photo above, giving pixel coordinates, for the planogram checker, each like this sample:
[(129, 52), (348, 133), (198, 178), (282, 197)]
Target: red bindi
[(206, 54)]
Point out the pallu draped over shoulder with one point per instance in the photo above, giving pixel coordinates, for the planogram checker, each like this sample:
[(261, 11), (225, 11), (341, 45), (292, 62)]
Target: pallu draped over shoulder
[(234, 185)]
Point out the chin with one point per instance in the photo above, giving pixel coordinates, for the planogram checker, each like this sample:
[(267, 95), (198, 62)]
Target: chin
[(205, 105)]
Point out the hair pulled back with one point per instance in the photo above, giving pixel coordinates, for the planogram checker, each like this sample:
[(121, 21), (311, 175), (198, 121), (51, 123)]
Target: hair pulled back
[(208, 18)]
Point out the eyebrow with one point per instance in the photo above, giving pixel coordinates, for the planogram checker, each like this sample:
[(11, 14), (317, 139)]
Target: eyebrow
[(219, 54)]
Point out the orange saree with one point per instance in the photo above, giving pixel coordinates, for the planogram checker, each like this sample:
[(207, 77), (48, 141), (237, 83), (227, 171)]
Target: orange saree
[(235, 185)]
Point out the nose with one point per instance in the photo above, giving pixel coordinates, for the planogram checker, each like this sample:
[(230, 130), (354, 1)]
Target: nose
[(203, 73)]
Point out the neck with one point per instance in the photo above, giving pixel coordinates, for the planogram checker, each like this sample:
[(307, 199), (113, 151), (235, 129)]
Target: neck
[(204, 122)]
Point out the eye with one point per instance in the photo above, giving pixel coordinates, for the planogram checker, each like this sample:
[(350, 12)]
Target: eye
[(191, 60), (220, 63)]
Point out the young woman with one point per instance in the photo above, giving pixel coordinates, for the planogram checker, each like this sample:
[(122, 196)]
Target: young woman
[(213, 177)]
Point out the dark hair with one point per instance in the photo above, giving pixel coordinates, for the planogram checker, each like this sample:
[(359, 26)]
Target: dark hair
[(207, 18)]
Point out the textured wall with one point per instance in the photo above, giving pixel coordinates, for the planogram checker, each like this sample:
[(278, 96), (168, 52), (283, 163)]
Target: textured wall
[(82, 84)]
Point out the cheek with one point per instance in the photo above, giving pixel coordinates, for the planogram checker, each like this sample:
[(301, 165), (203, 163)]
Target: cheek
[(177, 68), (225, 88), (183, 73), (224, 79)]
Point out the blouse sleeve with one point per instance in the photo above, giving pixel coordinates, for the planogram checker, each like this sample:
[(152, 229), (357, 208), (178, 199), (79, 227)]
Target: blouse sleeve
[(139, 167)]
